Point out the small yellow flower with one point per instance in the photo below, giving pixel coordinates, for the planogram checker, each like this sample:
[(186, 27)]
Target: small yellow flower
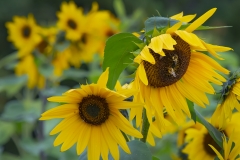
[(91, 118), (24, 33), (27, 66), (71, 20)]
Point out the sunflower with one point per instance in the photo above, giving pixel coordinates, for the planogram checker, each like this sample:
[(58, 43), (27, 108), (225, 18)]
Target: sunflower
[(181, 133), (24, 33), (103, 24), (230, 100), (92, 119), (27, 66), (199, 140), (71, 20), (229, 152), (172, 68)]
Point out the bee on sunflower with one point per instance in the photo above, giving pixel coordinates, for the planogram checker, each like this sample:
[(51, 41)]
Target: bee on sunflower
[(172, 67)]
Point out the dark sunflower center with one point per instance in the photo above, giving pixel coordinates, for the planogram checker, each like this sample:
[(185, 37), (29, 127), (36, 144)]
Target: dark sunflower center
[(84, 38), (94, 110), (170, 68), (109, 33), (71, 24), (26, 31), (209, 140), (42, 46)]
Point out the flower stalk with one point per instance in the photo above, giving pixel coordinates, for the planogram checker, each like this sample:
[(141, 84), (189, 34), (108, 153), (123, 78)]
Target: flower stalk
[(145, 126)]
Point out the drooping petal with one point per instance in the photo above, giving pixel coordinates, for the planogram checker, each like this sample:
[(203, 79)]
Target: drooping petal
[(146, 55), (198, 22), (142, 74), (102, 80)]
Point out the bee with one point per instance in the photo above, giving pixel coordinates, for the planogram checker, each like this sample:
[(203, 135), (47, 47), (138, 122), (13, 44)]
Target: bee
[(175, 60), (171, 71)]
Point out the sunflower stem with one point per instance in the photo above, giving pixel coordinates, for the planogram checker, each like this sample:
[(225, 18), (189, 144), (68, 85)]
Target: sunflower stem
[(41, 136), (145, 126)]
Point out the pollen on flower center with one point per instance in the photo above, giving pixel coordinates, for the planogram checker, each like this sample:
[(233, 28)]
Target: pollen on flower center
[(26, 31), (72, 24), (94, 110), (209, 140), (170, 68)]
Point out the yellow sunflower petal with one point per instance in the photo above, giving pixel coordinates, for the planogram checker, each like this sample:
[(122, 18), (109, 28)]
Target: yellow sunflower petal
[(103, 79), (200, 20), (83, 138), (125, 105), (63, 99), (142, 74), (210, 61), (174, 28), (117, 135), (63, 124), (60, 112), (146, 55), (104, 148), (112, 145), (72, 137), (93, 149), (168, 41), (156, 45), (211, 50), (177, 16), (217, 153), (187, 18), (150, 139), (124, 125)]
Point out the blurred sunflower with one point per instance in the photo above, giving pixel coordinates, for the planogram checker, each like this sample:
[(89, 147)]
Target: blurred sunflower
[(24, 33), (199, 140), (104, 26), (172, 69), (229, 152), (27, 66), (71, 20), (230, 99), (89, 111)]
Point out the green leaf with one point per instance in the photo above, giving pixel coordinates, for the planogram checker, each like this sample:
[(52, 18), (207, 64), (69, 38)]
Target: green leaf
[(139, 151), (12, 84), (117, 55), (215, 134), (155, 158), (27, 111), (7, 129), (204, 27), (75, 74), (8, 59), (192, 110), (119, 8), (158, 22)]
